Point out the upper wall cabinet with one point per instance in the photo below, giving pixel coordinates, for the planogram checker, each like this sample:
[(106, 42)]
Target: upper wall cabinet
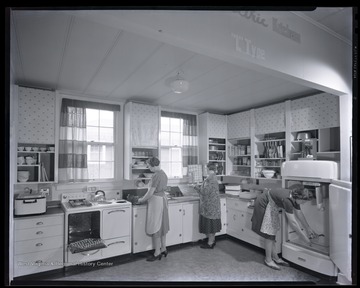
[(270, 119), (216, 125), (238, 125), (315, 112), (36, 116), (141, 140), (144, 124)]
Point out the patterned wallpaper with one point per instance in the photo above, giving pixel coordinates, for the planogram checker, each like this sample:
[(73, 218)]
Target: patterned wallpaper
[(239, 125), (315, 112), (144, 125), (36, 116), (217, 125), (270, 119)]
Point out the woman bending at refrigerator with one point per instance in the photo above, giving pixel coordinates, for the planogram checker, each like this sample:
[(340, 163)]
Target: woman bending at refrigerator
[(266, 223)]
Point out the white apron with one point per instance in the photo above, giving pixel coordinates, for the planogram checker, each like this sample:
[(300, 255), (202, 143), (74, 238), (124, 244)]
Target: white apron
[(271, 221), (154, 214)]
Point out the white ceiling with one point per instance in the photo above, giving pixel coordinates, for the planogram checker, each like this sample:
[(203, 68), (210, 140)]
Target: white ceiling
[(68, 53)]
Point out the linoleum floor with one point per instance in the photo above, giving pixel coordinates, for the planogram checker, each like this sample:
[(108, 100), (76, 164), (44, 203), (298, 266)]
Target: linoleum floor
[(231, 261)]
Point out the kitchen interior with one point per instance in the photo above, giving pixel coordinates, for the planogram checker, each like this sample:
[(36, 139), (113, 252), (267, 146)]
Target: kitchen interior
[(258, 93)]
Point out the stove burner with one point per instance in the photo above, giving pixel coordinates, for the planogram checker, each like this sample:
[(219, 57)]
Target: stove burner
[(79, 202)]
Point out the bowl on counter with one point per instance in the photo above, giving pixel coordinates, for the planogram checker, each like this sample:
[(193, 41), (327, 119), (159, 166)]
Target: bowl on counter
[(268, 173), (20, 148)]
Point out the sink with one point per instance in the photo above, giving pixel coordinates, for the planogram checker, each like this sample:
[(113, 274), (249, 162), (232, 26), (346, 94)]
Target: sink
[(185, 198)]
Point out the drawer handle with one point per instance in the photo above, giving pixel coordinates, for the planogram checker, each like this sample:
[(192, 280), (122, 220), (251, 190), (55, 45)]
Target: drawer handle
[(89, 254), (39, 244), (113, 211), (39, 223), (117, 242), (39, 232)]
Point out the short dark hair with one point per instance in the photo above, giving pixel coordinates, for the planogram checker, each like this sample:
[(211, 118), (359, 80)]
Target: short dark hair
[(298, 191), (153, 161), (211, 166)]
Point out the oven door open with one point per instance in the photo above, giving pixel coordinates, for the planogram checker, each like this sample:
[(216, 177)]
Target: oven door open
[(83, 232)]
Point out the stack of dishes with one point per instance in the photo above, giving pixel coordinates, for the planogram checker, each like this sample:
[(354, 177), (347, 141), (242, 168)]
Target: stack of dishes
[(23, 176)]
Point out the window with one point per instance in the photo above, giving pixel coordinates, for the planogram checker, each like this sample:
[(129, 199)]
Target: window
[(86, 141), (179, 149), (100, 143), (171, 146)]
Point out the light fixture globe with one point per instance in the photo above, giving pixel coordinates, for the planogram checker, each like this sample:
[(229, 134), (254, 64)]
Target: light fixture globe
[(179, 85)]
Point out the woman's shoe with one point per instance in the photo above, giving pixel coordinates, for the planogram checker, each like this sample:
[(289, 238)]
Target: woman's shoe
[(281, 262), (272, 265), (164, 253), (153, 258), (207, 246)]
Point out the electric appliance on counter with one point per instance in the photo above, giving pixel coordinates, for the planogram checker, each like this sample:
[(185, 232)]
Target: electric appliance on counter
[(95, 229), (322, 214), (30, 204)]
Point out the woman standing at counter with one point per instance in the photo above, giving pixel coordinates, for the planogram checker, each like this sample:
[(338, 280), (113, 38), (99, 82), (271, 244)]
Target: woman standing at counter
[(210, 211), (265, 219), (157, 220)]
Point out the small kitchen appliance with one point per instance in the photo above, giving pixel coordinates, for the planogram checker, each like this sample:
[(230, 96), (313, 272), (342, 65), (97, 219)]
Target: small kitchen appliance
[(30, 204)]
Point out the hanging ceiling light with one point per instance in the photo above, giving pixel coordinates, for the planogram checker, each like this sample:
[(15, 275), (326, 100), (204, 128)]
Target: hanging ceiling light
[(179, 85)]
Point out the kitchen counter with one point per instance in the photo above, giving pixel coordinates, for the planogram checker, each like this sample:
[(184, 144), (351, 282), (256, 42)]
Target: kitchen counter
[(50, 211)]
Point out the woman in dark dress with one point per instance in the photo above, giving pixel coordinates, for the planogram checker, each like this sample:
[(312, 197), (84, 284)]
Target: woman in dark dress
[(265, 220), (210, 209)]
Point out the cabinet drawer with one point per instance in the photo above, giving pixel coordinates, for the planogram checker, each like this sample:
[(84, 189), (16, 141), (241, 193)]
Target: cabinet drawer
[(117, 246), (41, 232), (36, 262), (88, 256), (36, 245), (38, 222)]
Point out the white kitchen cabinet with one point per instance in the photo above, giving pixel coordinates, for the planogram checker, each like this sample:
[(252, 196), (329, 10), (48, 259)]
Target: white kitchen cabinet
[(212, 140), (141, 141), (238, 125), (191, 222), (269, 154), (140, 240), (315, 112), (239, 215), (39, 244), (116, 222), (223, 217), (38, 160), (116, 231), (239, 155), (175, 234), (184, 223), (324, 144)]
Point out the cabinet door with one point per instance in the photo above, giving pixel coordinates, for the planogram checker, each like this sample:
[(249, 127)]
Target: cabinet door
[(270, 119), (174, 236), (216, 126), (238, 125), (315, 112), (116, 222), (223, 217), (233, 220), (191, 222), (140, 241), (144, 125)]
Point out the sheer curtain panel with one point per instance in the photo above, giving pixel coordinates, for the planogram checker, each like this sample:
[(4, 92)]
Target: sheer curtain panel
[(72, 142)]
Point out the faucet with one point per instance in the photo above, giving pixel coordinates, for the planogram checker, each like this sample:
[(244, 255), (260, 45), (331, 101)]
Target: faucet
[(99, 195)]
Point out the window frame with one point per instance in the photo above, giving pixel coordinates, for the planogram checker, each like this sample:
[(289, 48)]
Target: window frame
[(118, 138)]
